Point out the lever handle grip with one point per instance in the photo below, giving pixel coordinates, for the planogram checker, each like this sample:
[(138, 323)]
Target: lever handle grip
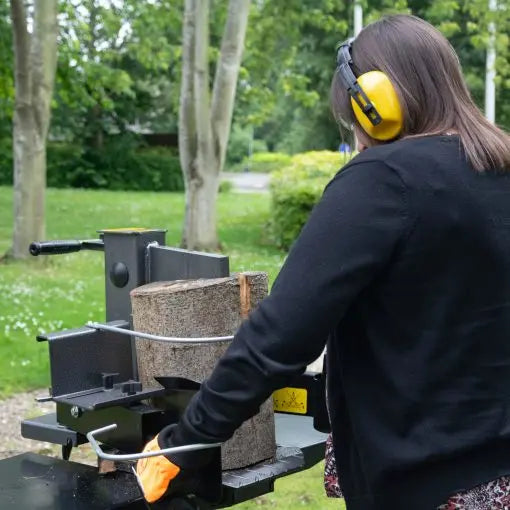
[(54, 247)]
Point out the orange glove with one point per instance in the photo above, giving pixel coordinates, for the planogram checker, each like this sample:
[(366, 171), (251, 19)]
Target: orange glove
[(197, 472), (155, 473)]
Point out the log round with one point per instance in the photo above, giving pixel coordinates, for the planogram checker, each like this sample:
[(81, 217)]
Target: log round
[(202, 308)]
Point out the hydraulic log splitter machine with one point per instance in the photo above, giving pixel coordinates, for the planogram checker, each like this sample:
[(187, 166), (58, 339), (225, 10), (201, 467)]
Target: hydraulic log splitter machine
[(98, 398)]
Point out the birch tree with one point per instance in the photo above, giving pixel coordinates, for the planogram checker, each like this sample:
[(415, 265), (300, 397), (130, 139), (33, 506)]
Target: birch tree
[(204, 116), (34, 75)]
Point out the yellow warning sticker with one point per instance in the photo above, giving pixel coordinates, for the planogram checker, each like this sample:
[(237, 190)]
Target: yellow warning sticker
[(290, 400)]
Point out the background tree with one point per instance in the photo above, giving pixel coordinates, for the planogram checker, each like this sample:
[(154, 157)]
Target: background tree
[(287, 70), (35, 60), (465, 23), (6, 74), (204, 121), (118, 69), (119, 72), (290, 57)]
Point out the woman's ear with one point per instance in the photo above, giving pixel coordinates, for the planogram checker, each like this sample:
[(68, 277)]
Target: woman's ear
[(363, 141)]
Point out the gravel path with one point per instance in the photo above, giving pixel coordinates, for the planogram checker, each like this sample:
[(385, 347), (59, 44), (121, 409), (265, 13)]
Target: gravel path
[(248, 182), (21, 406)]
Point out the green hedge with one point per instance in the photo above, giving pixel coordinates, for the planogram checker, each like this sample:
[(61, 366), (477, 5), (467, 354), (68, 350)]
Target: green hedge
[(115, 167), (263, 162), (295, 190), (239, 143)]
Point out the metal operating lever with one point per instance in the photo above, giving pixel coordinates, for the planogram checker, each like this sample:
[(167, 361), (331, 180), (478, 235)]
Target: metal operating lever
[(69, 246), (148, 336), (144, 455)]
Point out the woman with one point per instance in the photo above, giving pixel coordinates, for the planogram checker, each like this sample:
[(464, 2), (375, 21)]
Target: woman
[(403, 269)]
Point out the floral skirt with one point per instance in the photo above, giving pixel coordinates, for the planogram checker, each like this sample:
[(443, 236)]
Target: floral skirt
[(331, 484), (494, 495)]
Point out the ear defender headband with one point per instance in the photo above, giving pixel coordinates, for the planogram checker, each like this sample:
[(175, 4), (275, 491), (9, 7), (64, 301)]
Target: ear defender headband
[(373, 98)]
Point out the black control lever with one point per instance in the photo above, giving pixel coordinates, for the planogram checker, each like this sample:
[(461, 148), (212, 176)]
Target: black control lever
[(61, 247)]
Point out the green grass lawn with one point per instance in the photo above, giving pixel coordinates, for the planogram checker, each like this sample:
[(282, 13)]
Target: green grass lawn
[(67, 290)]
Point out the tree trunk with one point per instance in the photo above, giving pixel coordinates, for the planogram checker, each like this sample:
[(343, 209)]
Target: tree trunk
[(199, 308), (204, 129), (35, 63), (227, 71), (200, 218), (29, 184)]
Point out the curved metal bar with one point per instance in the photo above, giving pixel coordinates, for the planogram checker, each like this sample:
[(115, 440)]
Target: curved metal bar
[(158, 338), (91, 436)]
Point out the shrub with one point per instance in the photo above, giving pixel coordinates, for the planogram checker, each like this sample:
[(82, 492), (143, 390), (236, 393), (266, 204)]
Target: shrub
[(263, 162), (66, 165), (295, 190), (225, 187), (116, 166), (239, 143), (6, 163), (162, 169)]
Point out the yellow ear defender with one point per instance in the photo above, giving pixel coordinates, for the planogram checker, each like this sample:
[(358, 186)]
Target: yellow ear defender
[(373, 97)]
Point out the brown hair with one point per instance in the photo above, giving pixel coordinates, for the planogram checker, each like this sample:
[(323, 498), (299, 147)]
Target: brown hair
[(427, 76)]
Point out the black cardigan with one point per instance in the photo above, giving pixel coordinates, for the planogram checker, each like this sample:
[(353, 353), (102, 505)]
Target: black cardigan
[(404, 270)]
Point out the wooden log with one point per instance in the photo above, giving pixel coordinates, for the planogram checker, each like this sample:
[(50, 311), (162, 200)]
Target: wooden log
[(202, 308)]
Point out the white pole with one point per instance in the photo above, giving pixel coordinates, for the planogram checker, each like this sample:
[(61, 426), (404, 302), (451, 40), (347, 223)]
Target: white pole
[(357, 25), (490, 67), (358, 18)]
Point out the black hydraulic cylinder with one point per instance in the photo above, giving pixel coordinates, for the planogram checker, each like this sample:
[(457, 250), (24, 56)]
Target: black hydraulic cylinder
[(67, 246)]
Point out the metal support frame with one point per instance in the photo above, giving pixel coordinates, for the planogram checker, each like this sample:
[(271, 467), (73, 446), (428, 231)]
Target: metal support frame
[(137, 423), (138, 256), (165, 263), (125, 266), (46, 428), (35, 481)]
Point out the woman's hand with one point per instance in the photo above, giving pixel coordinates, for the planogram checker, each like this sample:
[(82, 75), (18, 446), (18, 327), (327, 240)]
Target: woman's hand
[(155, 474)]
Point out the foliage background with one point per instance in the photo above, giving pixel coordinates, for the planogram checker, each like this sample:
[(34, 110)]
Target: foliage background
[(296, 188), (119, 72)]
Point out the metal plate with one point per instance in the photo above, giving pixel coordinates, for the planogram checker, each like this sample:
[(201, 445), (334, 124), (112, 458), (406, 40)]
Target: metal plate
[(300, 447), (244, 484), (128, 248), (45, 428), (294, 431), (101, 399), (35, 482), (166, 264), (136, 424), (79, 357)]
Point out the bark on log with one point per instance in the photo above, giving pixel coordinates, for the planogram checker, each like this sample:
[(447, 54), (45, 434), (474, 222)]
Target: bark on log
[(200, 308)]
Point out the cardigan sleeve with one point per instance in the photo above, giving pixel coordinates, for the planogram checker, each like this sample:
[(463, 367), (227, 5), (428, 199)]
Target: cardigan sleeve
[(350, 237)]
